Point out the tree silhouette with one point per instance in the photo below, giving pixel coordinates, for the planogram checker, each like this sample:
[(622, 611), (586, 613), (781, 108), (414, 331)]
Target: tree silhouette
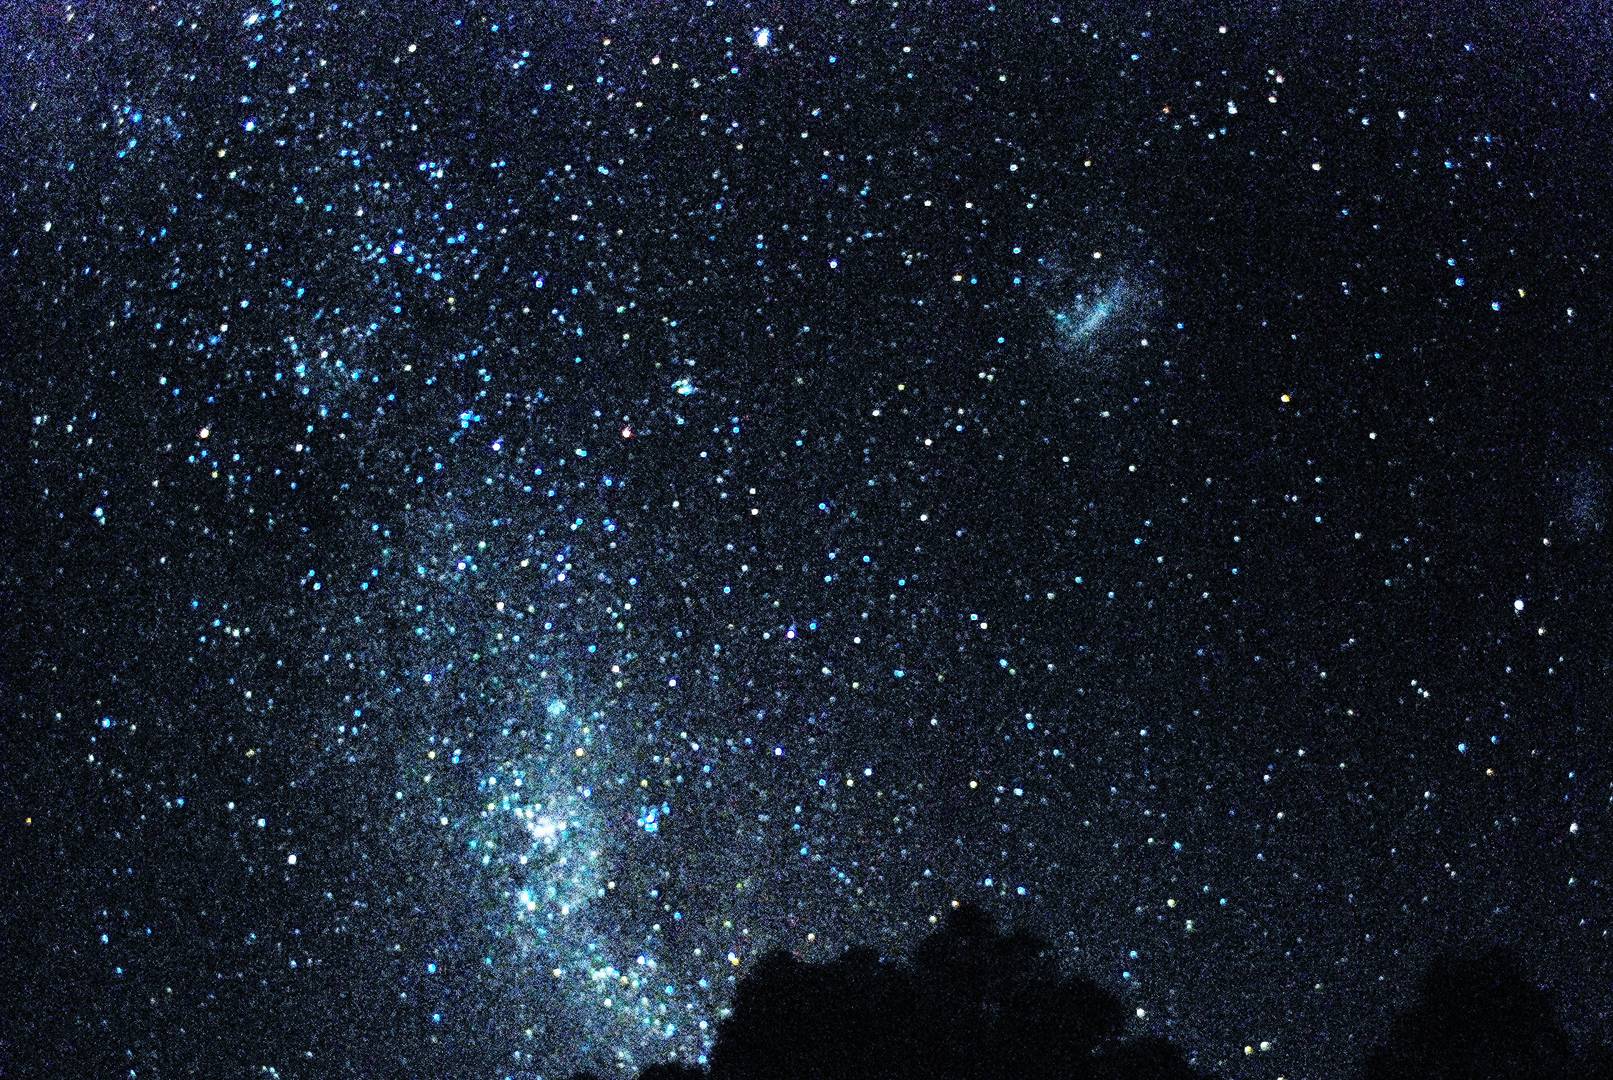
[(998, 1005), (1476, 1017), (973, 1003), (846, 1018)]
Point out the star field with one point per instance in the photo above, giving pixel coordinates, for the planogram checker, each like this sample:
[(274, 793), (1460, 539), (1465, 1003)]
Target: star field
[(516, 512)]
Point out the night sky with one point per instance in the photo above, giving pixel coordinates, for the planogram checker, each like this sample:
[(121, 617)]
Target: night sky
[(515, 510)]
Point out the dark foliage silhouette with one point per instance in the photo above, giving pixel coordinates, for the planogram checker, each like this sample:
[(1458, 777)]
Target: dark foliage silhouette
[(972, 1003), (846, 1018), (975, 1003), (1476, 1017)]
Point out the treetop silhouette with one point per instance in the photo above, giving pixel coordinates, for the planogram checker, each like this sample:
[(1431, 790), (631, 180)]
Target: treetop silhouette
[(1476, 1017), (973, 1002), (977, 1003)]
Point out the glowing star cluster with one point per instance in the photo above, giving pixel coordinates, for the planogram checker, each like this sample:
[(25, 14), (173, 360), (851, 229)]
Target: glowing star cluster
[(554, 841), (1080, 322)]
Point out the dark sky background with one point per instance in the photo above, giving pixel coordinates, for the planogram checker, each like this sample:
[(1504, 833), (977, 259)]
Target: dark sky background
[(515, 510)]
